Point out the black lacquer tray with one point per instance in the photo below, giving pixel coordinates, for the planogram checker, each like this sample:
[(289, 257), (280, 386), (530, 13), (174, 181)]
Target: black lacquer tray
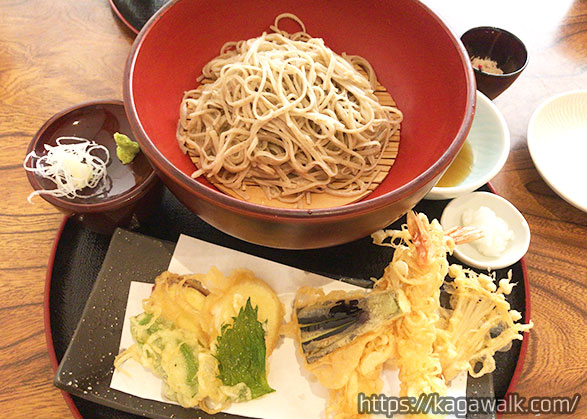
[(79, 253), (135, 14)]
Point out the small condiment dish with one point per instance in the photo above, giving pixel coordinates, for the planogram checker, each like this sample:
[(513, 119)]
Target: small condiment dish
[(468, 253), (557, 141), (133, 190), (505, 49), (489, 139)]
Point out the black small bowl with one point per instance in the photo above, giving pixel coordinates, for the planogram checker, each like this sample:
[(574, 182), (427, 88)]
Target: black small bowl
[(500, 46), (133, 191)]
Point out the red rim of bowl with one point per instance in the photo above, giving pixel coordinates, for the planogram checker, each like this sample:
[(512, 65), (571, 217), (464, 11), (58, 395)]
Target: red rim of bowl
[(110, 204), (224, 200)]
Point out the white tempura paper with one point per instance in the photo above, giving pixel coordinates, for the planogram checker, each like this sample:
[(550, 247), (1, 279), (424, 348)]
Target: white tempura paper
[(297, 393)]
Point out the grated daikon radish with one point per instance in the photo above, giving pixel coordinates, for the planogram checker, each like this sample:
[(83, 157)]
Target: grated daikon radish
[(496, 232), (71, 166)]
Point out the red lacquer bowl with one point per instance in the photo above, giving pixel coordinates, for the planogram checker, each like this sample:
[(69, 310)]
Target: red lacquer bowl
[(416, 57)]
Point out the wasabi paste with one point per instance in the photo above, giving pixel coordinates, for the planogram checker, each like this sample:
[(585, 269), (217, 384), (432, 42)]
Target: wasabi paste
[(126, 149)]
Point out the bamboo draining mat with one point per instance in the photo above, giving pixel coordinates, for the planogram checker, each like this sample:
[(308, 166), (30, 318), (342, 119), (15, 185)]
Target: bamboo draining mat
[(324, 200)]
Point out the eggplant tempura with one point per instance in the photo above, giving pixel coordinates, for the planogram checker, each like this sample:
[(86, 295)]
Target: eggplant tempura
[(414, 333)]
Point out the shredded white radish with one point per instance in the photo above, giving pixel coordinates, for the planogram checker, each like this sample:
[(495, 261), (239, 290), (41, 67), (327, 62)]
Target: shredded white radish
[(71, 166)]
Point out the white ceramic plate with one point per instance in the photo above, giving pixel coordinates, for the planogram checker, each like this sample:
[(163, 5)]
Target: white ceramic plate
[(468, 253), (489, 138), (557, 140)]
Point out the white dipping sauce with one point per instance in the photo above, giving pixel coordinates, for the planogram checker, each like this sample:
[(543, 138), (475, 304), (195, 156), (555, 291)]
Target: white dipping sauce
[(496, 232)]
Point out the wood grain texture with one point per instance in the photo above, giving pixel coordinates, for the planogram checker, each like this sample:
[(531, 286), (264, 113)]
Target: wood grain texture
[(54, 54)]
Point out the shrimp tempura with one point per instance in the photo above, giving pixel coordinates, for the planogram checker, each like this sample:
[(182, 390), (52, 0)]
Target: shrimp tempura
[(418, 268)]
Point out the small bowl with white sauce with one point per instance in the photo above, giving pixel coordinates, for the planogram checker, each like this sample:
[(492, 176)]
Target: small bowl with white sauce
[(72, 163), (506, 232), (482, 156)]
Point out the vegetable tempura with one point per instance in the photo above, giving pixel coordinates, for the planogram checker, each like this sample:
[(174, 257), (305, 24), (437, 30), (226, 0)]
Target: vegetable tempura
[(208, 337)]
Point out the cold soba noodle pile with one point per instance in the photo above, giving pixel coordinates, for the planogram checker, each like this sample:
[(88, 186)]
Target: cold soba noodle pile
[(283, 112)]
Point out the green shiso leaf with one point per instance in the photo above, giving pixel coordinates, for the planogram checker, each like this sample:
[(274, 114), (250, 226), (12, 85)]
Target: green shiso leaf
[(241, 352)]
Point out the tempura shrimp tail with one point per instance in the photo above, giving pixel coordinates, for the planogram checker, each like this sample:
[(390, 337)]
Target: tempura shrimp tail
[(462, 235), (419, 230), (420, 236)]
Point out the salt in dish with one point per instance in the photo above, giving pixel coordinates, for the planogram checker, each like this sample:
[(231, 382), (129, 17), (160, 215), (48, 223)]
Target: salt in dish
[(514, 239)]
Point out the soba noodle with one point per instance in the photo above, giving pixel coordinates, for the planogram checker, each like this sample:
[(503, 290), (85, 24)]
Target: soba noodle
[(287, 114)]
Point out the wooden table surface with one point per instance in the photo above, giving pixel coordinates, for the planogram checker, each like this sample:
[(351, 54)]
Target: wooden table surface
[(54, 54)]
